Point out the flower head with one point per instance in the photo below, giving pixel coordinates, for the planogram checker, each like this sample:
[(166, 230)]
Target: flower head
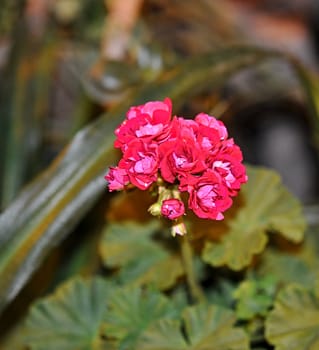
[(176, 154)]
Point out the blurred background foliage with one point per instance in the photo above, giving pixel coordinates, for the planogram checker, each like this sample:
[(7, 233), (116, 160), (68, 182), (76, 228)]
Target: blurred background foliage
[(70, 65)]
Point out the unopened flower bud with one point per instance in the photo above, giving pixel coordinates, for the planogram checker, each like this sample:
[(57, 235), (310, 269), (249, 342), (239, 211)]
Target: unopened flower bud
[(178, 229), (172, 208), (155, 209)]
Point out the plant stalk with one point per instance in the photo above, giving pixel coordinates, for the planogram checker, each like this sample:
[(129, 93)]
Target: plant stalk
[(195, 289)]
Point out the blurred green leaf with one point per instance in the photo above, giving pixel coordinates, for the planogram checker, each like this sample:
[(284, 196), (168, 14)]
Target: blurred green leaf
[(254, 297), (51, 206), (268, 206), (294, 322), (53, 203), (24, 103), (70, 318), (296, 264), (142, 259), (202, 327), (221, 293), (287, 268), (131, 311)]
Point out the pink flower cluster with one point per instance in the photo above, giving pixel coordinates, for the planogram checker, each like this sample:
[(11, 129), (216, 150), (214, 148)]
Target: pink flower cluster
[(195, 155)]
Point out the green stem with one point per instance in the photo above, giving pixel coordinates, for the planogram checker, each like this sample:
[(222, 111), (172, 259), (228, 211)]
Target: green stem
[(187, 256)]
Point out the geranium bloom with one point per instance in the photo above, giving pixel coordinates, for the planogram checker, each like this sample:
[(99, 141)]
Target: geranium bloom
[(213, 124), (117, 178), (179, 158), (227, 162), (208, 196), (178, 155), (147, 122), (141, 161)]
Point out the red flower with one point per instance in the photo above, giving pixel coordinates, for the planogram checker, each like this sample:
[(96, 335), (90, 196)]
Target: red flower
[(117, 178), (172, 208), (181, 155), (150, 108), (227, 162), (213, 124), (149, 121), (211, 132), (141, 163), (208, 196)]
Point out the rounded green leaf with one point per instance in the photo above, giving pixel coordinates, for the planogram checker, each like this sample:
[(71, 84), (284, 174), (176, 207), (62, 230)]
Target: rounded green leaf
[(268, 206), (300, 265), (288, 268), (69, 319), (254, 297), (163, 335), (294, 322), (142, 260), (203, 327), (131, 311)]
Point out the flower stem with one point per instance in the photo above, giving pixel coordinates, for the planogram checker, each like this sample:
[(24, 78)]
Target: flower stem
[(195, 289)]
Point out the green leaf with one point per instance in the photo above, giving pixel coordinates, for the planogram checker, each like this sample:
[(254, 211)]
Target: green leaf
[(25, 97), (297, 265), (294, 322), (69, 319), (221, 293), (47, 210), (268, 207), (288, 268), (254, 297), (202, 327), (142, 259), (131, 311)]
